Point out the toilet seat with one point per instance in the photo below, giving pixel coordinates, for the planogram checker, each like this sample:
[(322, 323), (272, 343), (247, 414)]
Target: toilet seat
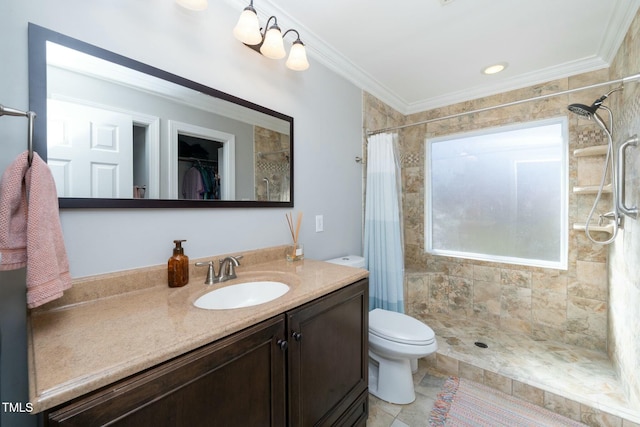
[(400, 328)]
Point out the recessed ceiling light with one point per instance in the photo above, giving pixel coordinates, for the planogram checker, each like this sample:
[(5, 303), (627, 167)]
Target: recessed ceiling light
[(495, 68)]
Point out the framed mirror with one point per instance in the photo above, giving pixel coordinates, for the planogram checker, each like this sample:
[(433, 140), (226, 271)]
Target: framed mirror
[(117, 133)]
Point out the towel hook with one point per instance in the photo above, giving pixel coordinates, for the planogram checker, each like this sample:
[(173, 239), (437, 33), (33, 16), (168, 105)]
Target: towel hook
[(6, 111)]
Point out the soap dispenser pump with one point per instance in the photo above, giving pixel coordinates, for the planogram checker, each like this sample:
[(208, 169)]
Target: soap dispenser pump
[(178, 266)]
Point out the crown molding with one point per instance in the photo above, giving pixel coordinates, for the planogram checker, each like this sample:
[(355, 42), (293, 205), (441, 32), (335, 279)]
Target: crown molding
[(624, 13), (617, 28), (519, 82), (325, 54)]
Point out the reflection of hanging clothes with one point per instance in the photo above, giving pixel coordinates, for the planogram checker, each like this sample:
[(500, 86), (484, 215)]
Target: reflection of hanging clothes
[(208, 180), (201, 182), (192, 185)]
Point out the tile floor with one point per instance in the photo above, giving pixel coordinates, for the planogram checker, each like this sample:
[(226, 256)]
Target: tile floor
[(428, 384), (578, 383)]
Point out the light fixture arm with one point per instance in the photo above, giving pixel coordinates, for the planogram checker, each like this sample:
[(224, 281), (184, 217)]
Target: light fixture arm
[(263, 32), (266, 26), (250, 7), (294, 31)]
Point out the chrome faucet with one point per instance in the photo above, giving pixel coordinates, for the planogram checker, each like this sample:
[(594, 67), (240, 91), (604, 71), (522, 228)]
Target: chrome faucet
[(226, 269)]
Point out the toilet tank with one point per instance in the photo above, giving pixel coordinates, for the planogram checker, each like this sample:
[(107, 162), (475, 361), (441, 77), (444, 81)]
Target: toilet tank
[(348, 260)]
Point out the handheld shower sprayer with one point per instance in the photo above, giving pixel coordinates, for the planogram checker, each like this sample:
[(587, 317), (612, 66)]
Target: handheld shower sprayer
[(590, 112)]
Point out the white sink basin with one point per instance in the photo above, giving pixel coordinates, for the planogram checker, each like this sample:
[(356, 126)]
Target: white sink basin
[(241, 295)]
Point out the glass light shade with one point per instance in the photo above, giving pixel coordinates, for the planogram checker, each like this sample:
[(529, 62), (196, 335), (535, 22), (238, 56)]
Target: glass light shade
[(273, 47), (247, 30), (297, 60), (193, 4)]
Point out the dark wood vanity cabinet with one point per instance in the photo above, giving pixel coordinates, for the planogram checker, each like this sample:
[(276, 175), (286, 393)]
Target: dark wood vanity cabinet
[(307, 367), (328, 359), (236, 381)]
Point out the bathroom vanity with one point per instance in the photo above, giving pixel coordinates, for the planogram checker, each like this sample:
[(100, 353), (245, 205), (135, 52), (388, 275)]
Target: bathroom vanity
[(300, 360)]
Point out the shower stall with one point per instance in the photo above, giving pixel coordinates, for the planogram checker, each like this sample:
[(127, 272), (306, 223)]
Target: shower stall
[(568, 332)]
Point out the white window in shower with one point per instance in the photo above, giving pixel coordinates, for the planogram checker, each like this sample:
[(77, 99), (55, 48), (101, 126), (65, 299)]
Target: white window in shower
[(499, 194)]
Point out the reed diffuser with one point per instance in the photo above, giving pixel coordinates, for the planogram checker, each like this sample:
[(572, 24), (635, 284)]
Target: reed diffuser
[(296, 251)]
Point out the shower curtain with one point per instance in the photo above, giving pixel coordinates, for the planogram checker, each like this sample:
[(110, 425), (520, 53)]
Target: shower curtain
[(383, 246)]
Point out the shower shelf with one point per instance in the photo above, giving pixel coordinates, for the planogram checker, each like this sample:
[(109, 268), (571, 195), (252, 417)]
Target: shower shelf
[(597, 150), (592, 189), (603, 228)]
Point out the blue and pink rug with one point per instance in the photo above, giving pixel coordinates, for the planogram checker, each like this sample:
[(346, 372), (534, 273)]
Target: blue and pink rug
[(464, 403)]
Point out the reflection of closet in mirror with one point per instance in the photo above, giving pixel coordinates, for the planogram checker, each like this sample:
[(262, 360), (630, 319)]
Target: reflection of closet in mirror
[(205, 149), (272, 165), (198, 168)]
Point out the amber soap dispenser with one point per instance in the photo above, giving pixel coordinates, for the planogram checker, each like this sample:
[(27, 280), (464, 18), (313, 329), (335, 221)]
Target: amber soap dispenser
[(178, 266)]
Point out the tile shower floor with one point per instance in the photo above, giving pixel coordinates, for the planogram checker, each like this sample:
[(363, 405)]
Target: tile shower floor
[(581, 379)]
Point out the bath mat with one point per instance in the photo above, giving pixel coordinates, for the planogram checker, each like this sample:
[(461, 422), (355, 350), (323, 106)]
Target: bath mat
[(463, 403)]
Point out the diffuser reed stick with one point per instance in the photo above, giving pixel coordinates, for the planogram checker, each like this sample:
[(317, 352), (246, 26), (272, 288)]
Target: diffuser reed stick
[(294, 234)]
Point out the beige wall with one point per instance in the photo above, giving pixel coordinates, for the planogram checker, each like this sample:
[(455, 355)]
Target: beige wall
[(569, 306), (624, 260)]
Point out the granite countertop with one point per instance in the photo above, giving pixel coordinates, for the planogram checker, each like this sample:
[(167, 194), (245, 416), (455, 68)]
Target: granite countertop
[(78, 348)]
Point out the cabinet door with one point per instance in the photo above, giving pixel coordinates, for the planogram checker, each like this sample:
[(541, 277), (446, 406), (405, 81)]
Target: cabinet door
[(237, 381), (328, 356)]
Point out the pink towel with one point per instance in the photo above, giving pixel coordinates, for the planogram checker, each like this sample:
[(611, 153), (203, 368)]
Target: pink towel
[(30, 230)]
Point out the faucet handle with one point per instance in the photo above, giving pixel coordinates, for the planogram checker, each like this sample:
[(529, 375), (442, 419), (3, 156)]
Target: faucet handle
[(211, 273)]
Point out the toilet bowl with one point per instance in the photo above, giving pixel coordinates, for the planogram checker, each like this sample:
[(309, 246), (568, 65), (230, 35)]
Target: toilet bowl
[(396, 341)]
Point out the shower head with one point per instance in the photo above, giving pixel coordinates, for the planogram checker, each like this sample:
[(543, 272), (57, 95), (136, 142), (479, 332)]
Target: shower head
[(583, 110), (590, 111)]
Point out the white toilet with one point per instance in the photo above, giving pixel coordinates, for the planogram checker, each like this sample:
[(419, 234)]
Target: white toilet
[(396, 342)]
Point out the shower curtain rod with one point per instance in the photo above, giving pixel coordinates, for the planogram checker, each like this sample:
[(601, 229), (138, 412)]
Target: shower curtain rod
[(633, 78)]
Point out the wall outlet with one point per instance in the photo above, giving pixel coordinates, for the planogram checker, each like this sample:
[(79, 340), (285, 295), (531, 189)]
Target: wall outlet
[(319, 223)]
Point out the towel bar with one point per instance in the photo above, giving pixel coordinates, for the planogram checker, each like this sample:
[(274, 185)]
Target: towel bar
[(6, 111)]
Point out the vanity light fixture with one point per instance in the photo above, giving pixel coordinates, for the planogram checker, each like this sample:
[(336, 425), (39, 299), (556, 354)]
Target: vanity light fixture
[(495, 68), (270, 43)]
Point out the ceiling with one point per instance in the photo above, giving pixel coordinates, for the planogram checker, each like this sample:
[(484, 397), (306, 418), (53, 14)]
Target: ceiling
[(416, 55)]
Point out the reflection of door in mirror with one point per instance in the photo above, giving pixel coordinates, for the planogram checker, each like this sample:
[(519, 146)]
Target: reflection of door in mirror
[(90, 150), (272, 165)]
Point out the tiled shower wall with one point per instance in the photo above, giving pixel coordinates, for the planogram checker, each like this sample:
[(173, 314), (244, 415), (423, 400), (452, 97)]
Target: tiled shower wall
[(576, 305), (271, 162), (567, 306), (624, 259)]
